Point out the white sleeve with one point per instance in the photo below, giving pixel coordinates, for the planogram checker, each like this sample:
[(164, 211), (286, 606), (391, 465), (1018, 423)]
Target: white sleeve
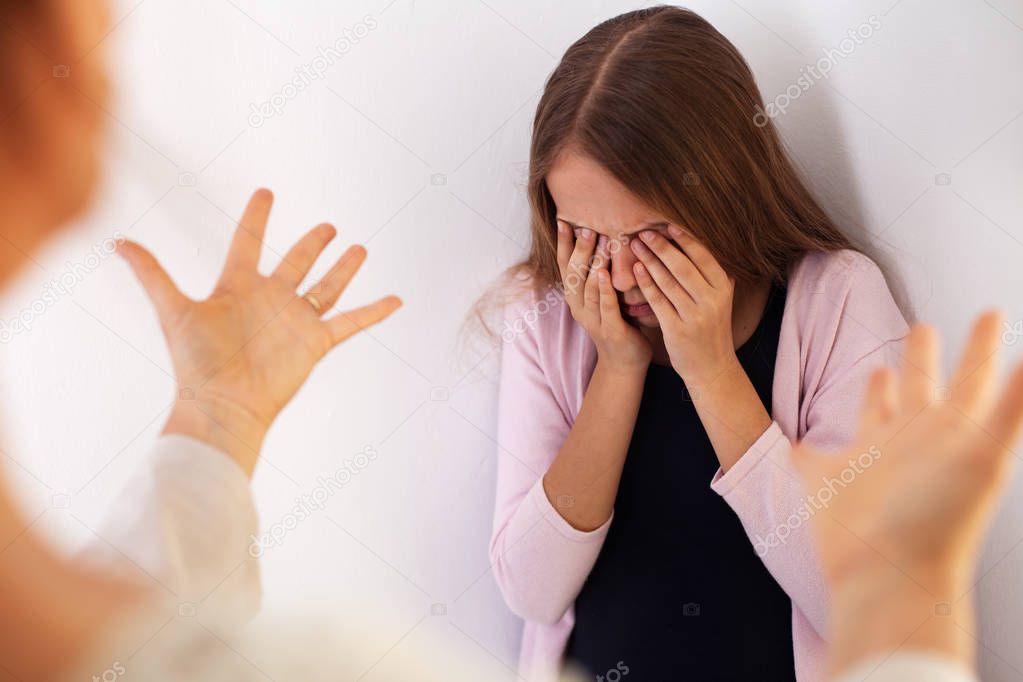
[(338, 644), (186, 521), (909, 666)]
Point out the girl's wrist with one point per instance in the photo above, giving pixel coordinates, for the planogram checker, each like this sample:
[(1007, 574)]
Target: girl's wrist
[(709, 377), (621, 371)]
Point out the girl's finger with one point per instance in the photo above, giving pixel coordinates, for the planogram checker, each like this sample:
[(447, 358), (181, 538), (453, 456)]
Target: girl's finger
[(344, 325), (578, 265), (566, 244), (678, 263), (610, 312), (666, 281), (601, 255), (659, 303), (974, 378), (920, 371), (591, 293), (300, 258), (334, 283), (701, 257)]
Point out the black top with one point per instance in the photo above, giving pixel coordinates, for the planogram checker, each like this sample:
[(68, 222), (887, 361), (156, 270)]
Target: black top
[(678, 592)]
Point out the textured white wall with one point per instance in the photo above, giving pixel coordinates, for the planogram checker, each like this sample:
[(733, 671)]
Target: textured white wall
[(414, 142)]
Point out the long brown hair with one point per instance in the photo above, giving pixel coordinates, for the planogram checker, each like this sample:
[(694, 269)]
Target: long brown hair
[(669, 107)]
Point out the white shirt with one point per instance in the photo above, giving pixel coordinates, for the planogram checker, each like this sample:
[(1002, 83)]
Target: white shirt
[(908, 666), (186, 524)]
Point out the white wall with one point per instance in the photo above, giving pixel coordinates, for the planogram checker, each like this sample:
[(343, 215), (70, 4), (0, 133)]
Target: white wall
[(444, 92)]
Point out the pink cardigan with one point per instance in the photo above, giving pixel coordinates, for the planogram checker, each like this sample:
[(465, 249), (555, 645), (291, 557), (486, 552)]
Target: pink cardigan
[(839, 323)]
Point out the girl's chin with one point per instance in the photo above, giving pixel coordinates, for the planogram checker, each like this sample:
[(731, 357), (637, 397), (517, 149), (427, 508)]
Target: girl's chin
[(648, 321)]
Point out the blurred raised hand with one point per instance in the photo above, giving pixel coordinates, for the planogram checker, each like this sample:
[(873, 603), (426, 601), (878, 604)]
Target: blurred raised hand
[(939, 453), (240, 355), (900, 535)]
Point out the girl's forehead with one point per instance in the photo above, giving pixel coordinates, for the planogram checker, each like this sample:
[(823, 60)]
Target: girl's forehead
[(587, 195)]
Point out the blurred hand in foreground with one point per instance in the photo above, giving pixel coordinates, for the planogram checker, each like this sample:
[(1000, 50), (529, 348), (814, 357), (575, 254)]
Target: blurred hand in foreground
[(240, 355), (899, 539)]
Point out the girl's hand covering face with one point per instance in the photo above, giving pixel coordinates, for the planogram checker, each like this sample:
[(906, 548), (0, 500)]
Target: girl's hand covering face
[(585, 274), (240, 355), (691, 295)]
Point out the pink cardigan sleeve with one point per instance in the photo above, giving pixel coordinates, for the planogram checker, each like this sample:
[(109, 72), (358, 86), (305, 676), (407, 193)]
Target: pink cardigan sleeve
[(540, 561), (837, 359)]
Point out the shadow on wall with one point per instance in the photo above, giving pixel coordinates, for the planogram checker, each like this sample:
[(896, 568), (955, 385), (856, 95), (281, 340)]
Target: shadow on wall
[(812, 132)]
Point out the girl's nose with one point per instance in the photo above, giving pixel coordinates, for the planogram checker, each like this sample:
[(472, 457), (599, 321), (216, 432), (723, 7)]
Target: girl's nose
[(622, 260)]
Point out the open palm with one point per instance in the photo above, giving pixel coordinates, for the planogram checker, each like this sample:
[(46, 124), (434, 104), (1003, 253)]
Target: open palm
[(921, 481), (240, 355)]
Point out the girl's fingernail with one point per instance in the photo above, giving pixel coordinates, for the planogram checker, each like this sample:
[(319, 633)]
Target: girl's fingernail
[(638, 247), (647, 236), (602, 241), (587, 233), (562, 229), (674, 231)]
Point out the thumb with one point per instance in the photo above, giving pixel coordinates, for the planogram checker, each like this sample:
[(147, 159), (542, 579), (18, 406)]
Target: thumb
[(805, 462), (168, 301)]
